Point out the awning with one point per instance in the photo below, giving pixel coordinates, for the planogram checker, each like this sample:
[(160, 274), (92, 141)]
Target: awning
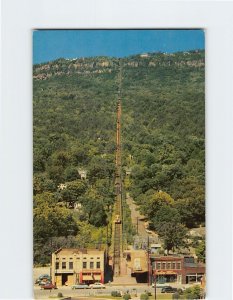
[(87, 277), (159, 272)]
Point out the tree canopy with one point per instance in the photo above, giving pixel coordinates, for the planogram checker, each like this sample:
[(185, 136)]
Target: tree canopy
[(163, 140)]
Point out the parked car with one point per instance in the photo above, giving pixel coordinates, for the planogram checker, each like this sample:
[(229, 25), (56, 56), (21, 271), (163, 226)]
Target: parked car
[(181, 290), (43, 282), (80, 286), (43, 278), (49, 286), (97, 285), (168, 289), (159, 285)]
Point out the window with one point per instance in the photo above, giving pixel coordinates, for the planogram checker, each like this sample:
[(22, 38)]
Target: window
[(163, 266), (158, 266), (84, 265), (98, 265), (91, 265), (57, 265), (169, 266), (63, 265), (173, 265), (70, 265), (178, 265)]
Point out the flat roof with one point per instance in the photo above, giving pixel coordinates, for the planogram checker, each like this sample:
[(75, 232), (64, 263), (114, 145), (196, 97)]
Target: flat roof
[(78, 251)]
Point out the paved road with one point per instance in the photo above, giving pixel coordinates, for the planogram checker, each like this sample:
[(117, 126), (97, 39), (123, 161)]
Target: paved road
[(67, 291), (137, 218), (139, 221)]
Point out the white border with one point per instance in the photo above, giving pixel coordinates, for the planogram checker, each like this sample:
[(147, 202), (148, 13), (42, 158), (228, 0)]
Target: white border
[(18, 18)]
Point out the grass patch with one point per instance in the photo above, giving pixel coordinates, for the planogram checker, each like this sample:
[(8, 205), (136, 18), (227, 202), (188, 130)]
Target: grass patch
[(159, 297), (106, 297)]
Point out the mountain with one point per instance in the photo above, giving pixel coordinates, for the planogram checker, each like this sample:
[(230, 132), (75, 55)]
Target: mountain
[(163, 127)]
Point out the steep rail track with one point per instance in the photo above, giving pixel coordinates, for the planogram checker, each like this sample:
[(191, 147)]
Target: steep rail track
[(117, 246)]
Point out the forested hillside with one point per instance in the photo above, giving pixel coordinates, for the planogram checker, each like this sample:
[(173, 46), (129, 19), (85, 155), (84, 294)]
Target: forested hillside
[(163, 146)]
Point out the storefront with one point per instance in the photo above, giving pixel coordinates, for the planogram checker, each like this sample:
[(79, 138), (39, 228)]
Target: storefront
[(89, 278), (71, 266), (179, 269), (166, 276)]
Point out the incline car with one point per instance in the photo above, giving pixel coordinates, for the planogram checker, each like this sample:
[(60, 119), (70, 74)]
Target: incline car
[(117, 220)]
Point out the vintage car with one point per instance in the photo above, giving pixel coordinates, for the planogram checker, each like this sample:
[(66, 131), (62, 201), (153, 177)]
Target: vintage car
[(80, 286), (97, 285)]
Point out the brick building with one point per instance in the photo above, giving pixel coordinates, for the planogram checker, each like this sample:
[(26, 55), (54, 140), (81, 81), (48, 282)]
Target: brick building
[(72, 266), (180, 269)]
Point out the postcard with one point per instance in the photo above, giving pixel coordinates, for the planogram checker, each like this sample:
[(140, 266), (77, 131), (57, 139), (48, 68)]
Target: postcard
[(119, 163)]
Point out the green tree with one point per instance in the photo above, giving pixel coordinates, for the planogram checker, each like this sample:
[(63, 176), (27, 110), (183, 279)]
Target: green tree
[(74, 190), (49, 221), (194, 292), (71, 173), (174, 235), (153, 202), (165, 214), (201, 252), (95, 211), (41, 183)]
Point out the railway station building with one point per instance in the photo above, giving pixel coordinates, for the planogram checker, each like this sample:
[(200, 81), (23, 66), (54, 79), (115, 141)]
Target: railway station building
[(179, 269), (72, 266)]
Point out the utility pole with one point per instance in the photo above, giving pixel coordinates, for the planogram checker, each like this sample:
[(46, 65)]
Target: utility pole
[(155, 279), (148, 258)]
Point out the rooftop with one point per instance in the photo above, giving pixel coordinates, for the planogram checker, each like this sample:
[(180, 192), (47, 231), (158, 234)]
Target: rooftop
[(78, 251)]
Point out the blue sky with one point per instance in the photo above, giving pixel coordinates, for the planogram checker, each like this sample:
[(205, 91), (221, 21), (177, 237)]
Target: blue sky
[(52, 44)]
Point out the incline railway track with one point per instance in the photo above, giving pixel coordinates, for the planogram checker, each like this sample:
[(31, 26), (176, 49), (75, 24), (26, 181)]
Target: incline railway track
[(117, 246)]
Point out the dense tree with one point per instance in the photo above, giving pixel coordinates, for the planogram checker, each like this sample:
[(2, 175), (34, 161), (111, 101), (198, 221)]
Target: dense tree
[(41, 183), (174, 235), (49, 221), (95, 211), (153, 202), (162, 136), (165, 214), (201, 251), (73, 190), (194, 292), (166, 222)]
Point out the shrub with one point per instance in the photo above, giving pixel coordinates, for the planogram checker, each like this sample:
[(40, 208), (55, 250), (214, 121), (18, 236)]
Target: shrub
[(180, 291), (115, 294), (193, 292), (126, 297), (59, 295), (144, 296), (175, 296), (148, 293)]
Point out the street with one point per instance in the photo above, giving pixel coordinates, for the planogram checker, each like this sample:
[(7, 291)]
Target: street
[(67, 291)]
